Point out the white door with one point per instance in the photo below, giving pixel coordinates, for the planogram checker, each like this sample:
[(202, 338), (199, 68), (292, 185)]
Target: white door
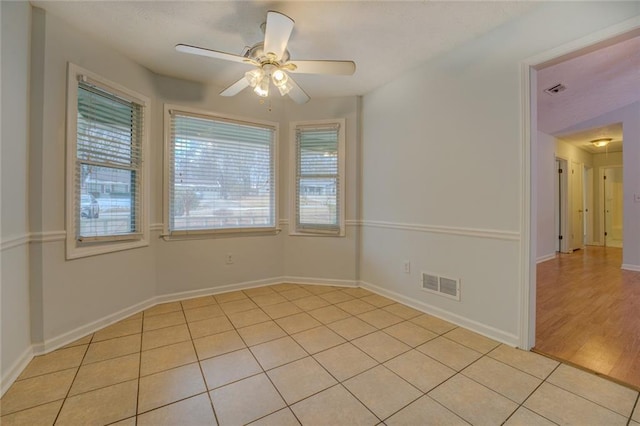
[(613, 207), (577, 206)]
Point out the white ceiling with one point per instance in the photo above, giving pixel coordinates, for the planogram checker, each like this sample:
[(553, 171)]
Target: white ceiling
[(597, 81), (383, 37), (583, 138)]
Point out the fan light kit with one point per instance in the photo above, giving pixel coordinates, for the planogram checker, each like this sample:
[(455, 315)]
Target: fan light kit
[(601, 142), (271, 59)]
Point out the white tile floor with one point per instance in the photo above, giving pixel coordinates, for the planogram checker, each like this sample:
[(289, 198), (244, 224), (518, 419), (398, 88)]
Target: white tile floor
[(314, 355)]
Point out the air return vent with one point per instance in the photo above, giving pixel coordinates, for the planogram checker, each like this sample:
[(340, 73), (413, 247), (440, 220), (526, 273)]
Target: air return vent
[(555, 89), (447, 287)]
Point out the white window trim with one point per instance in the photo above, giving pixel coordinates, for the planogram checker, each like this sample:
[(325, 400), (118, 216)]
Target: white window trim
[(106, 244), (293, 229), (169, 235)]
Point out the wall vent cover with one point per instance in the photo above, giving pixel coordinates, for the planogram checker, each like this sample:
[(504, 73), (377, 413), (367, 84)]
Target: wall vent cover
[(443, 286), (555, 89)]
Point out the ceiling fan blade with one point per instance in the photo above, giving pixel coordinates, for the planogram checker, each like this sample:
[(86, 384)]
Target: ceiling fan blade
[(277, 33), (323, 67), (185, 48), (296, 93), (235, 88)]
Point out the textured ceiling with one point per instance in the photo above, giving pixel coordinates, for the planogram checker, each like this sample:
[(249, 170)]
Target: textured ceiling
[(382, 37), (583, 138), (597, 82)]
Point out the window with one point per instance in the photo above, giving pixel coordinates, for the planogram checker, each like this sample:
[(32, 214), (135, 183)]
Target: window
[(106, 134), (221, 174), (318, 158)]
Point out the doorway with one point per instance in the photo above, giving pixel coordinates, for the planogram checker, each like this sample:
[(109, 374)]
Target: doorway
[(593, 212)]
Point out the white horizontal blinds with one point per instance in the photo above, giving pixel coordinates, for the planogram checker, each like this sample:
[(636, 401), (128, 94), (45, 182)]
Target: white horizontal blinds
[(222, 174), (108, 164), (317, 179)]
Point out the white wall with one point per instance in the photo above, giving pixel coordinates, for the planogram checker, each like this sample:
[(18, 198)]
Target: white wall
[(547, 235), (328, 258), (69, 295), (15, 333), (191, 265), (442, 176)]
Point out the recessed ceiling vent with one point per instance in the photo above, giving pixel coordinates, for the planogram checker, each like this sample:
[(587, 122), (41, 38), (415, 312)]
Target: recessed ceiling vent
[(554, 90), (447, 287)]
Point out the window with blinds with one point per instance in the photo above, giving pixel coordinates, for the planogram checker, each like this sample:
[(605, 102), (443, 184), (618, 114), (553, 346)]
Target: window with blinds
[(105, 171), (221, 174), (319, 180), (108, 164)]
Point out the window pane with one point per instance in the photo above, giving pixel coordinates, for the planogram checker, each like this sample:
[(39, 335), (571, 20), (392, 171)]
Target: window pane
[(108, 163), (106, 201), (317, 179), (222, 175), (318, 201)]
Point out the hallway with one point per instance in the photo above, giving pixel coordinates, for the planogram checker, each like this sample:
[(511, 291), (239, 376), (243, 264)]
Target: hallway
[(588, 313)]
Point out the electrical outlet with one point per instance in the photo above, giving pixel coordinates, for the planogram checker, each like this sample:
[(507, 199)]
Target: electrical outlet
[(407, 267), (229, 258)]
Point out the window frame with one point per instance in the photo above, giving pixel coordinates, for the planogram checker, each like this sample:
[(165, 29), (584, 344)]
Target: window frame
[(294, 226), (108, 243), (168, 234)]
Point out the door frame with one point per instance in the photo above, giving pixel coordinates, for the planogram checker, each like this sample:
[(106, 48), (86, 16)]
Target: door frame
[(528, 131)]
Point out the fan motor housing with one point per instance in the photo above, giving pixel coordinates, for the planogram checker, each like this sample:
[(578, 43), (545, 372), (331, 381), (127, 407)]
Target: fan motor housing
[(257, 53)]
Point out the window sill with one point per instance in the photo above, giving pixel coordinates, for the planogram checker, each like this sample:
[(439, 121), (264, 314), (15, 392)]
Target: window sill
[(316, 234), (77, 252), (222, 233)]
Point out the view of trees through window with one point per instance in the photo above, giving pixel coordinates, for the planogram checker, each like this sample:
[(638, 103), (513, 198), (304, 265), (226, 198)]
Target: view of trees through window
[(222, 174), (108, 160)]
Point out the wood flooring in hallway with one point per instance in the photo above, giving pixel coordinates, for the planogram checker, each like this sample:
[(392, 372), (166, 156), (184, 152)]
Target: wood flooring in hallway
[(588, 313)]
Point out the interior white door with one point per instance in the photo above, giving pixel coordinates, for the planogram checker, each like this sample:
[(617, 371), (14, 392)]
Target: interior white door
[(577, 207), (613, 206)]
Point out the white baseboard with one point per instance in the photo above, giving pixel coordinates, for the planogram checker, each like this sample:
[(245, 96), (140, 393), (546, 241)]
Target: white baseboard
[(15, 370), (71, 336), (483, 329), (183, 295), (319, 281), (546, 257), (628, 267)]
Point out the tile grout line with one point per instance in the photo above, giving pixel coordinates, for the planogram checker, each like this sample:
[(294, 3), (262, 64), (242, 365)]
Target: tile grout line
[(582, 396), (338, 382), (139, 373), (204, 379), (327, 325), (265, 371), (521, 405), (75, 376), (635, 405)]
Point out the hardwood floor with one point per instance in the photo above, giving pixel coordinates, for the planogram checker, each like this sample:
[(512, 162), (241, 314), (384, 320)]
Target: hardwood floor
[(588, 313)]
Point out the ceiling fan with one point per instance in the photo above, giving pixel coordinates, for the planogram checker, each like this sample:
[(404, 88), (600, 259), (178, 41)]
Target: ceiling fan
[(272, 62)]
